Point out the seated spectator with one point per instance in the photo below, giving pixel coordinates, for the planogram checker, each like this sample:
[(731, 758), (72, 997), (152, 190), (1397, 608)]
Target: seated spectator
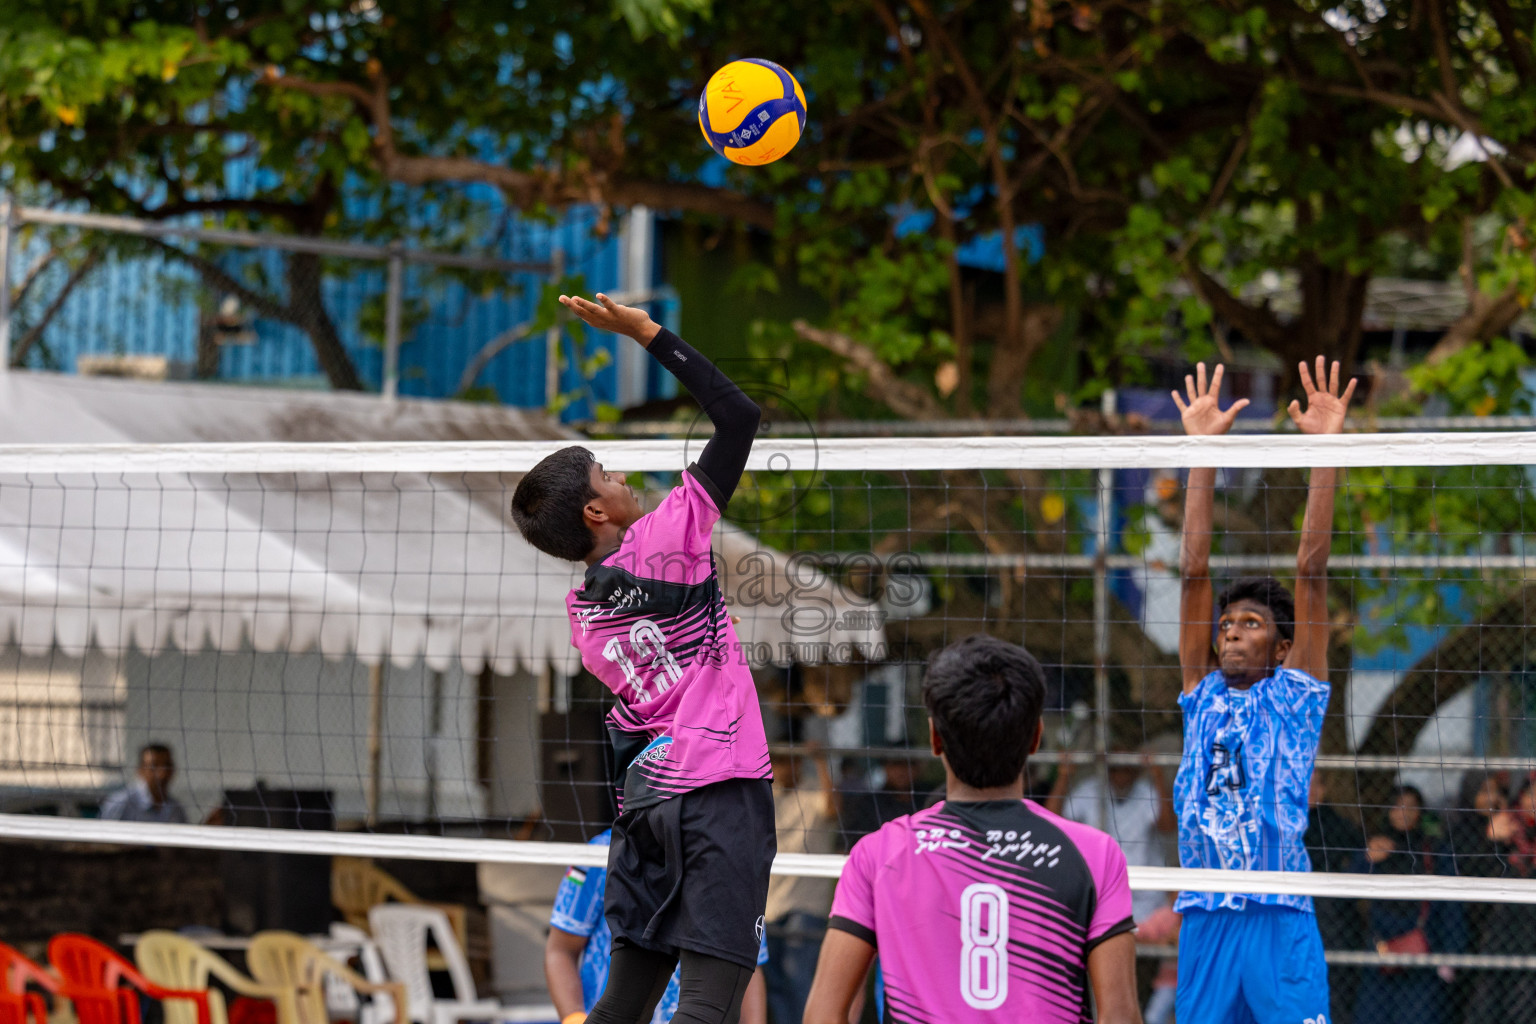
[(1334, 843), (148, 796), (1491, 841), (1408, 995), (806, 818)]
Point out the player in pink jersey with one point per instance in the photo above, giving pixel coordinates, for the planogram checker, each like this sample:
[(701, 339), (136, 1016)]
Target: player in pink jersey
[(689, 859), (986, 906)]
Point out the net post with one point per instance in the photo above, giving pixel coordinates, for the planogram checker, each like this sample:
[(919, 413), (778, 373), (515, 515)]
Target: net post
[(375, 739), (1105, 488), (552, 336), (392, 298), (7, 224)]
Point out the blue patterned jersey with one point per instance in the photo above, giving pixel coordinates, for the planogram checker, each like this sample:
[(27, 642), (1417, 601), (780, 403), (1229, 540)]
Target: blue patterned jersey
[(1241, 791), (579, 911)]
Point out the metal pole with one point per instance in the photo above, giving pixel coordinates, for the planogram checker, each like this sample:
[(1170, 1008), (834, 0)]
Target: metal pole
[(1106, 483), (7, 222), (288, 243), (434, 741), (392, 299), (375, 740), (552, 337)]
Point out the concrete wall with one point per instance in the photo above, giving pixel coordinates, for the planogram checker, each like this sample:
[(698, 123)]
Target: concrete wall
[(291, 721)]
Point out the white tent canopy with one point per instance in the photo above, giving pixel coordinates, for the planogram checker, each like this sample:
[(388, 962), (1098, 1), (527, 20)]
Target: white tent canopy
[(377, 566)]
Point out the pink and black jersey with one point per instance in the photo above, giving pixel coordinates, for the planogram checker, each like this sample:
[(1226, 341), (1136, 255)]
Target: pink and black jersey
[(650, 622), (985, 911)]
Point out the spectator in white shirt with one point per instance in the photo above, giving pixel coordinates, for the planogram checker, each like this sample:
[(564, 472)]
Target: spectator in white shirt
[(148, 796), (1140, 814)]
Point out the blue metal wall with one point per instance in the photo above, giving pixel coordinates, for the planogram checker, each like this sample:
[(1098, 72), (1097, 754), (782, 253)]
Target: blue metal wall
[(149, 305)]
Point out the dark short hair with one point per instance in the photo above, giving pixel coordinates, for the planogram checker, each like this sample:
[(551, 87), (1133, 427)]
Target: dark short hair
[(548, 501), (155, 748), (1267, 591), (1403, 789), (985, 696)]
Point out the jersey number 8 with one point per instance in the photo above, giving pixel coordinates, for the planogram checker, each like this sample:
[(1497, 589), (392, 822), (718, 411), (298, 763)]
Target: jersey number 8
[(984, 946)]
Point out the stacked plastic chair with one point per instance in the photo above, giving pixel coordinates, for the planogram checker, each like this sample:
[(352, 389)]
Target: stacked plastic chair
[(284, 959), (105, 988), (17, 1002), (172, 959)]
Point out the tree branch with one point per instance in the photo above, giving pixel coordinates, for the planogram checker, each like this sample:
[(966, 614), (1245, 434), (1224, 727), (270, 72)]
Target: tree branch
[(525, 189), (351, 90), (1518, 50), (880, 381), (1257, 323), (269, 207), (219, 278), (26, 341), (35, 271), (1486, 317)]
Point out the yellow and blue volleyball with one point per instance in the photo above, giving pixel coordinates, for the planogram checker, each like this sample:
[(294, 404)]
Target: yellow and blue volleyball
[(752, 112)]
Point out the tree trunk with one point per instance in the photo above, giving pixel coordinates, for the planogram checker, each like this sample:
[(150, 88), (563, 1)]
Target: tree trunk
[(208, 351), (1487, 317), (1332, 305), (305, 275), (1012, 355)]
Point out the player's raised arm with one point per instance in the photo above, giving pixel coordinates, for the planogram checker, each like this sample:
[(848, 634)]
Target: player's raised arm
[(734, 415), (1324, 414), (1203, 416)]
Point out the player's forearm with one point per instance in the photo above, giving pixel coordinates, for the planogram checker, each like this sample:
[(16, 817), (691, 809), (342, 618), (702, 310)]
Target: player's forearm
[(1195, 567), (1317, 524), (562, 972), (734, 415), (723, 402), (1058, 796), (1199, 516), (754, 1004)]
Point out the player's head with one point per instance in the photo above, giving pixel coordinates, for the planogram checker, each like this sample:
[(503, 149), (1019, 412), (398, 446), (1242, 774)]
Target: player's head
[(1406, 810), (1123, 775), (156, 769), (984, 698), (1255, 624), (563, 504)]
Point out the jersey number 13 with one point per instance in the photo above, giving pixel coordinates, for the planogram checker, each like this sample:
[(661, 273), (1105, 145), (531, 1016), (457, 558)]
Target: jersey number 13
[(984, 946)]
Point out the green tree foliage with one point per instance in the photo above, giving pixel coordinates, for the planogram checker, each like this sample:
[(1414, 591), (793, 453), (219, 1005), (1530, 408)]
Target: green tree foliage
[(1170, 152)]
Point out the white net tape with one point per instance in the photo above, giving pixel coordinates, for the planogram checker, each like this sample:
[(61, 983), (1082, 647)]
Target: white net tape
[(796, 454), (497, 851)]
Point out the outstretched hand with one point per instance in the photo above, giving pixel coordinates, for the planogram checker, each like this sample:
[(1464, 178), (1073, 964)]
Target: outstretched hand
[(607, 315), (1203, 414), (1325, 408)]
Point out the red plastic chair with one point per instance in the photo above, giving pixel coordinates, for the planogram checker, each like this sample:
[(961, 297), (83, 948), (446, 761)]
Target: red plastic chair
[(105, 987), (16, 971)]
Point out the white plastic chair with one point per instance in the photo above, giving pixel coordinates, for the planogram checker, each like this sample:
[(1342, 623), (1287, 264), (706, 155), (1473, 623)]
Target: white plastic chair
[(348, 941), (402, 931)]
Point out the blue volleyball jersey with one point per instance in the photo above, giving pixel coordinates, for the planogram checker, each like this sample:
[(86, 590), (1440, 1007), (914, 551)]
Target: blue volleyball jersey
[(579, 911), (1241, 791)]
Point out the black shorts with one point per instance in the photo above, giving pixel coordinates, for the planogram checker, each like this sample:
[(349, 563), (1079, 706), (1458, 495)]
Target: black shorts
[(692, 872)]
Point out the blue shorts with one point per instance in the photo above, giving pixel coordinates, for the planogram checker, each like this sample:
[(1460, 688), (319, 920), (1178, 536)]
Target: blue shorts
[(1258, 965)]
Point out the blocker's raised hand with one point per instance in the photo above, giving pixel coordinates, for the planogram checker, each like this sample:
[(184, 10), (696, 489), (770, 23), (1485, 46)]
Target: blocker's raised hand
[(607, 315), (1203, 413), (1325, 409)]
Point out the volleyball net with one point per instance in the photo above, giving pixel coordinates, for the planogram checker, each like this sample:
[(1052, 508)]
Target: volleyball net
[(348, 650)]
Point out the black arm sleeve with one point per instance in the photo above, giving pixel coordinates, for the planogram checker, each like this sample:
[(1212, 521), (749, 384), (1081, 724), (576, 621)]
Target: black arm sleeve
[(734, 415)]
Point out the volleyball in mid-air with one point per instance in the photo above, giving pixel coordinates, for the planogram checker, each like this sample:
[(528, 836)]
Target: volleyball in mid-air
[(752, 112)]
